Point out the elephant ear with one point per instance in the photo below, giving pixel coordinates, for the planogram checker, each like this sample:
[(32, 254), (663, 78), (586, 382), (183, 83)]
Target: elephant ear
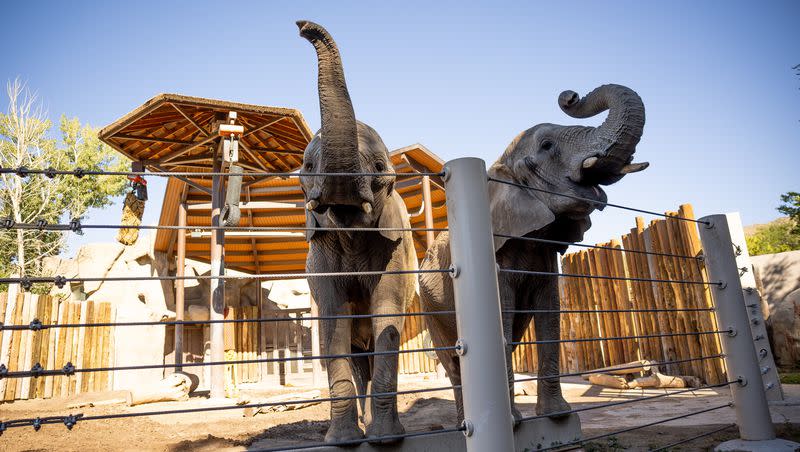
[(515, 211), (393, 216)]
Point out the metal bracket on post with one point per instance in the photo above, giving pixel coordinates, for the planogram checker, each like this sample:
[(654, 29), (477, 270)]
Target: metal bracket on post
[(749, 400), (487, 408), (231, 133)]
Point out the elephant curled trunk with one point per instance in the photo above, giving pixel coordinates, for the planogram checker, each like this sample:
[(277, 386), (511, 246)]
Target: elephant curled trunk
[(613, 143)]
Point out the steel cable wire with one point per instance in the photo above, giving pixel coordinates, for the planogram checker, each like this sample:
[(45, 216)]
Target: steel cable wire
[(61, 280), (22, 171), (81, 417), (594, 371), (603, 311), (625, 402), (619, 338), (638, 427), (692, 438), (599, 247), (594, 201), (75, 226), (613, 278), (35, 325), (70, 369)]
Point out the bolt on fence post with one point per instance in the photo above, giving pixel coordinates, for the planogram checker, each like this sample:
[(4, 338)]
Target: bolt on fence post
[(487, 408), (749, 399)]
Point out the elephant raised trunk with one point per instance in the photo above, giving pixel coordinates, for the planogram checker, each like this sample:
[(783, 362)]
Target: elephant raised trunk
[(612, 144), (338, 134)]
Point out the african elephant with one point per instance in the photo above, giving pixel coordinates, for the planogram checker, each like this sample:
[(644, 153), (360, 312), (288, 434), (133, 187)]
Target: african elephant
[(345, 145), (572, 160)]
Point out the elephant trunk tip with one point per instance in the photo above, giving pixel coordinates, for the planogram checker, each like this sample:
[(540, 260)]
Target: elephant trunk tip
[(568, 99), (312, 31)]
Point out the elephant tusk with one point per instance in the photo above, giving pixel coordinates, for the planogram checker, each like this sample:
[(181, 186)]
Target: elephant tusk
[(588, 163), (367, 207), (311, 205), (634, 167)]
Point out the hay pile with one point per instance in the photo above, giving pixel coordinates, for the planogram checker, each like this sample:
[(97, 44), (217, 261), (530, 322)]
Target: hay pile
[(132, 211)]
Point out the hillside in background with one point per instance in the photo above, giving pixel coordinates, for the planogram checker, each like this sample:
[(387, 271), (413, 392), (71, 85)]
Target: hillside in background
[(773, 237)]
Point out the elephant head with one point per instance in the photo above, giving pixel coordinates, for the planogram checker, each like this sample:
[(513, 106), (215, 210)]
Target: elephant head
[(346, 146), (571, 160)]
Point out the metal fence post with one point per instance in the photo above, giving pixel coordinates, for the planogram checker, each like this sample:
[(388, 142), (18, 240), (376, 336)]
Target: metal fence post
[(487, 408), (749, 399)]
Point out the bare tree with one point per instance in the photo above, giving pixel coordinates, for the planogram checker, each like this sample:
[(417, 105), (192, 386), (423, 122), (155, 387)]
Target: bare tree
[(26, 141), (25, 144)]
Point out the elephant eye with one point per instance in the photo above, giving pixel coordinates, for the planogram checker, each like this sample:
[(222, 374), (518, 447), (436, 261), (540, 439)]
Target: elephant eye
[(547, 145), (309, 166), (379, 167)]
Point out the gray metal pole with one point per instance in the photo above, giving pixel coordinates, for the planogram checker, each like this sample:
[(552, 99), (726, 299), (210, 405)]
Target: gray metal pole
[(180, 291), (217, 286), (487, 409), (749, 400)]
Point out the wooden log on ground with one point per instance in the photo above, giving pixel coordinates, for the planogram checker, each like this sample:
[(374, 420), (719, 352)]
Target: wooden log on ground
[(307, 397), (174, 387), (657, 380), (609, 381), (632, 367)]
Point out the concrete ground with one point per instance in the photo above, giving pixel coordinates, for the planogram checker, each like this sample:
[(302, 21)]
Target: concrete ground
[(229, 430)]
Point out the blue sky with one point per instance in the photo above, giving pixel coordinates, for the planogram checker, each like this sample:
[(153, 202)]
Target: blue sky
[(723, 105)]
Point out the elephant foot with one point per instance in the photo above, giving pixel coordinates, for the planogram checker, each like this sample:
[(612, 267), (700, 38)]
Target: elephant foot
[(552, 406), (340, 431), (385, 426)]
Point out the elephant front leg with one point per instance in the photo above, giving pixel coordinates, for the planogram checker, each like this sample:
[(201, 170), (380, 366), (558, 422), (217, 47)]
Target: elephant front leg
[(549, 400), (507, 303), (344, 413), (385, 419), (508, 321)]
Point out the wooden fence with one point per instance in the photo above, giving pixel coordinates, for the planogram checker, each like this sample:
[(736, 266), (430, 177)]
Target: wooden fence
[(52, 348), (414, 337), (670, 236)]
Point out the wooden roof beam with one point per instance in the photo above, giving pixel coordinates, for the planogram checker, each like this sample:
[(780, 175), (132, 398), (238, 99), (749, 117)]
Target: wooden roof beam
[(184, 179), (192, 121), (179, 152)]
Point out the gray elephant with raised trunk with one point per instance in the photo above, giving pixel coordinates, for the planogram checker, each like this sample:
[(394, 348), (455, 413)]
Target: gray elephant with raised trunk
[(347, 146), (572, 160)]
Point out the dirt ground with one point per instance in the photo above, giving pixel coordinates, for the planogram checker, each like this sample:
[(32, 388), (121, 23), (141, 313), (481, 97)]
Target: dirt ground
[(230, 430)]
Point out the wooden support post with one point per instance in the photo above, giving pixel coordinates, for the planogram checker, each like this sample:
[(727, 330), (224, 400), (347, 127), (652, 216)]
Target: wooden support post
[(216, 309), (316, 364), (426, 199), (180, 272)]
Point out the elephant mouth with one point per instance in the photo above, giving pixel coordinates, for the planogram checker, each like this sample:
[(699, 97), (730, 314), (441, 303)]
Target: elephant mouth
[(344, 215), (589, 190)]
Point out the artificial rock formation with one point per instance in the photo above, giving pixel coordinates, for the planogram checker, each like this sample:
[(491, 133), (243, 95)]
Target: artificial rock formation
[(784, 326)]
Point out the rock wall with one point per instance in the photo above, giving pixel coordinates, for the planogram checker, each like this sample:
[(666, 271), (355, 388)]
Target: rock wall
[(133, 300), (779, 274), (779, 285)]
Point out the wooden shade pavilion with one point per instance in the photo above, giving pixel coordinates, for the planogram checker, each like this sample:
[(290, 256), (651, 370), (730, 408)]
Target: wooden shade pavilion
[(172, 132), (278, 202), (177, 133)]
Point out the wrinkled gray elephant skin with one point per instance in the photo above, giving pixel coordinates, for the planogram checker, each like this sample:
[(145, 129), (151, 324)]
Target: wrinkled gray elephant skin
[(572, 160), (344, 145)]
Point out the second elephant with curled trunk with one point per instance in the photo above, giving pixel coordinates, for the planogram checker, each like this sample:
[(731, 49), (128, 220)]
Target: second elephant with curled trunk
[(348, 186), (569, 160)]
